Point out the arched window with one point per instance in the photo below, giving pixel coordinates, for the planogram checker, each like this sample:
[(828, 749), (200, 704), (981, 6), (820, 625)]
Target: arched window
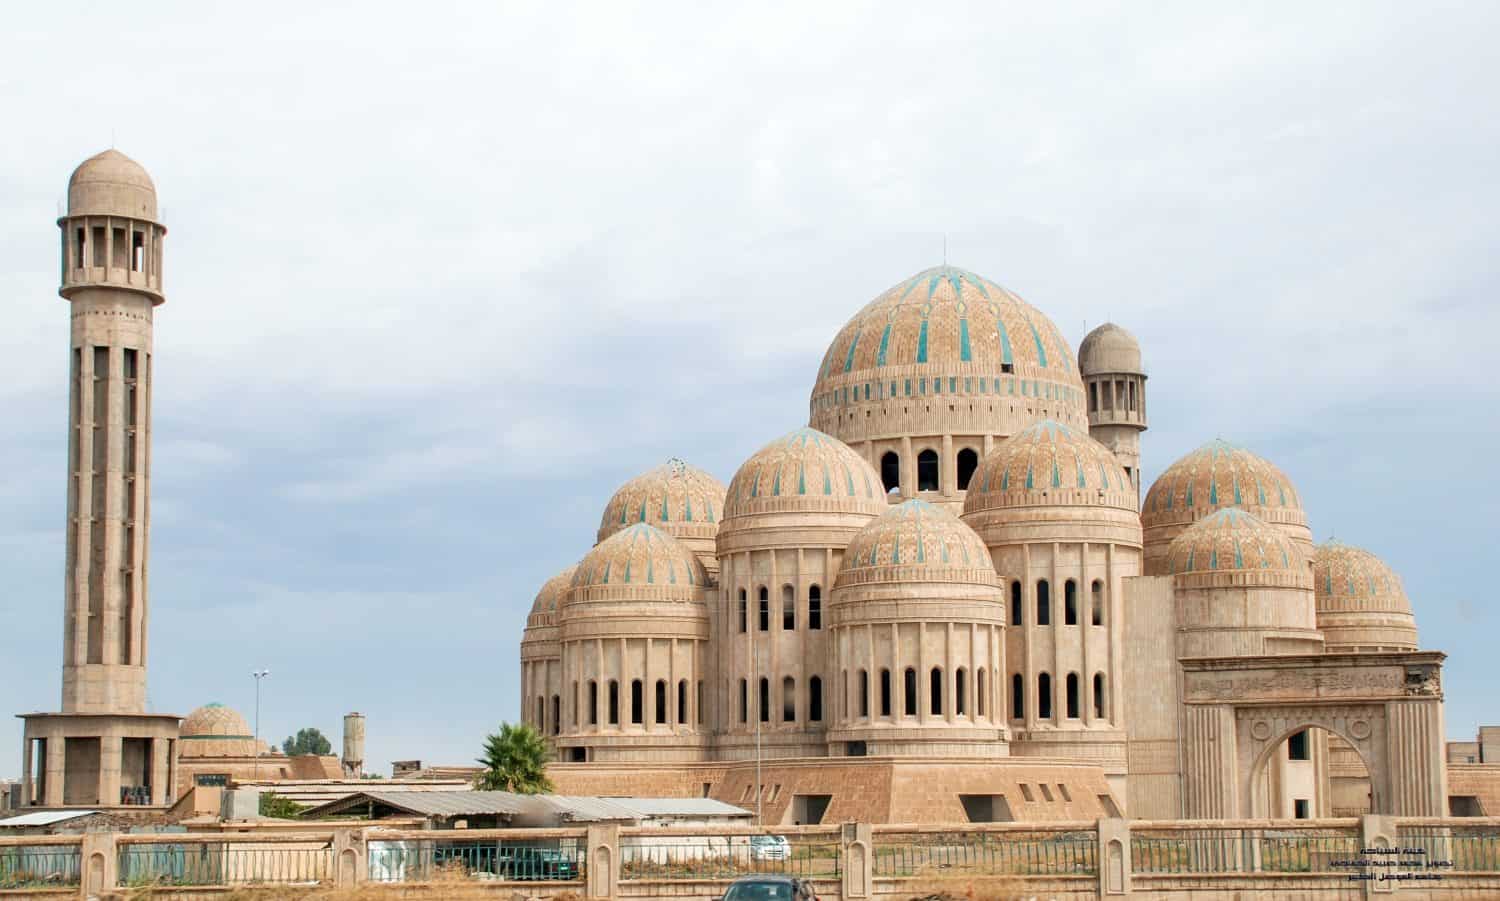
[(1017, 697), (959, 692), (744, 611), (614, 702), (744, 702), (864, 693), (682, 702), (575, 703), (968, 461), (927, 470), (1097, 591), (661, 702), (637, 701), (815, 699), (1072, 692), (1099, 695), (936, 690), (593, 703), (1044, 696), (1015, 604), (556, 714), (1070, 603), (909, 691), (1043, 603), (890, 471), (764, 697), (788, 700), (788, 608), (765, 609), (885, 692), (979, 691), (1093, 397), (814, 607)]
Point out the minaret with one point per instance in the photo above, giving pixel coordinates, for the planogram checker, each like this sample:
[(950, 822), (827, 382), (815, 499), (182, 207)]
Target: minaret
[(104, 748), (1110, 362)]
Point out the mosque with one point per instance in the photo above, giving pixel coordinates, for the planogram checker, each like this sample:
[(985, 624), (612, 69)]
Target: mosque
[(942, 600)]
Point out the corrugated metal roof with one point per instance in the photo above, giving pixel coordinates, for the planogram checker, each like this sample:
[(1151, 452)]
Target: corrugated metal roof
[(582, 809), (45, 817), (439, 803), (679, 807)]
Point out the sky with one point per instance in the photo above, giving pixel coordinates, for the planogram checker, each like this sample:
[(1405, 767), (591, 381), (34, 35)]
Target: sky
[(441, 277)]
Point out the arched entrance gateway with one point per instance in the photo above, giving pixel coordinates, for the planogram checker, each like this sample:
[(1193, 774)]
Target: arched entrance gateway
[(1239, 712)]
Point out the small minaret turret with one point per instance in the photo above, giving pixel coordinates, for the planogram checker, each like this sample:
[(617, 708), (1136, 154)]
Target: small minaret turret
[(1110, 362)]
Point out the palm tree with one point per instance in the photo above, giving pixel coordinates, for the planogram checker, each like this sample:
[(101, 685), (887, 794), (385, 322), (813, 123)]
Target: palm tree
[(514, 760)]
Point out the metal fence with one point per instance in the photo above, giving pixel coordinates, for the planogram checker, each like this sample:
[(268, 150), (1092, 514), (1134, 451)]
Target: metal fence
[(725, 856), (39, 866), (1236, 850), (1456, 849), (223, 863), (1021, 853), (425, 860)]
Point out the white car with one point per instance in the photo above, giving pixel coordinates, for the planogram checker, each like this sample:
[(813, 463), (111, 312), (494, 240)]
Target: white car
[(769, 847)]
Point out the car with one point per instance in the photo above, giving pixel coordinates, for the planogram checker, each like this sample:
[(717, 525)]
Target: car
[(769, 847), (525, 863), (770, 888)]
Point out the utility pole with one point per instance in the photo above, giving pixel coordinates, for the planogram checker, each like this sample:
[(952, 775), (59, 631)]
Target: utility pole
[(259, 675)]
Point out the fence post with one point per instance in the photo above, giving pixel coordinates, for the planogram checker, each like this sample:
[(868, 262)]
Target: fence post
[(603, 844), (857, 861), (1377, 831), (98, 864), (351, 860), (1113, 864)]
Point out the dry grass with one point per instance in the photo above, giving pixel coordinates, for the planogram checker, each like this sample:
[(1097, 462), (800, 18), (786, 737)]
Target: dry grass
[(446, 884), (948, 887)]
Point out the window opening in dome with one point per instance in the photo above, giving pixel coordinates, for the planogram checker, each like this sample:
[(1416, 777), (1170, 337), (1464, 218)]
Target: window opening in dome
[(593, 703), (1043, 603), (1093, 397), (815, 699), (968, 461), (614, 702), (909, 692), (682, 702), (1017, 697), (137, 251), (98, 243), (556, 714), (927, 470), (864, 690), (637, 702), (1044, 696), (890, 471), (744, 611), (1097, 591), (1099, 696), (661, 702), (699, 699), (979, 691), (1015, 603), (815, 608), (1070, 603), (936, 691), (765, 609), (744, 701), (765, 700), (788, 608), (118, 253), (788, 700), (1007, 367), (959, 676), (885, 692), (78, 246), (1072, 695)]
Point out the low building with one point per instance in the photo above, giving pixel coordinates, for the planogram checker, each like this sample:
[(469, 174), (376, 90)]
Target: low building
[(497, 809)]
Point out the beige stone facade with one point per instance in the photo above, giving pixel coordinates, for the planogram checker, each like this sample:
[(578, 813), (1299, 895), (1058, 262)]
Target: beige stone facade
[(949, 575)]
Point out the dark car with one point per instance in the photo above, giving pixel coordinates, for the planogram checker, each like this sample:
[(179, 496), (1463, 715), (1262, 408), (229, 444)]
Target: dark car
[(536, 863), (770, 888)]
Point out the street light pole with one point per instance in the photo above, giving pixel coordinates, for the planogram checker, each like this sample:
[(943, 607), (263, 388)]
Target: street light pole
[(259, 675)]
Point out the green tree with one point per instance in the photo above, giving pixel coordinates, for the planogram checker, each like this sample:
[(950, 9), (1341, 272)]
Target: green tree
[(307, 741), (273, 805), (515, 760)]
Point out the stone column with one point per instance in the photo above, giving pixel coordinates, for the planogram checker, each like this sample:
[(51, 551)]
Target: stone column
[(161, 766), (603, 861), (110, 755), (1114, 857), (856, 846), (55, 767)]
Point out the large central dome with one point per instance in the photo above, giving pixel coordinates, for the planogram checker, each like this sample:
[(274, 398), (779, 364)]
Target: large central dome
[(944, 360)]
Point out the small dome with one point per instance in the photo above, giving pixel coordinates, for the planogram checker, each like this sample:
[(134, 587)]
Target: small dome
[(1049, 463), (550, 597), (1361, 601), (1109, 349), (947, 333), (916, 541), (1213, 477), (1231, 540), (640, 555), (805, 469), (681, 500), (214, 721), (111, 184)]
